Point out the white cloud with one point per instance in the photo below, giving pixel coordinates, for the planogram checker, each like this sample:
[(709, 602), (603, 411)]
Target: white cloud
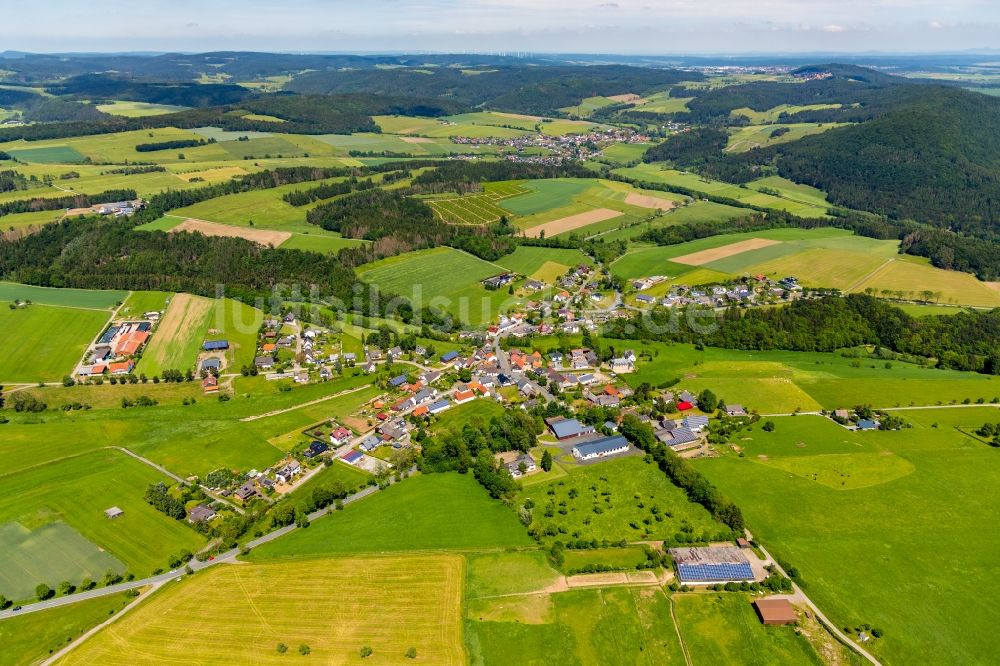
[(833, 27)]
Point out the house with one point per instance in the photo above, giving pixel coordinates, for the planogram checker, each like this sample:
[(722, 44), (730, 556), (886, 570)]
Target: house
[(122, 368), (842, 414), (514, 467), (397, 381), (369, 367), (711, 564), (113, 512), (449, 357), (556, 359), (622, 364), (340, 436), (352, 457), (301, 377), (200, 514), (246, 492), (370, 443), (735, 410), (212, 365), (396, 352), (424, 395), (601, 448), (775, 611), (610, 425), (564, 428), (210, 384), (644, 298), (421, 410), (289, 472), (867, 424), (678, 439), (215, 345), (264, 362), (350, 358), (534, 285), (695, 423), (438, 407), (325, 373), (315, 449), (464, 396), (498, 281)]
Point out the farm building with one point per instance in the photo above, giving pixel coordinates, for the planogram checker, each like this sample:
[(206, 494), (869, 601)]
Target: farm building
[(449, 357), (709, 565), (695, 423), (439, 406), (113, 512), (397, 381), (867, 424), (601, 448), (211, 365), (498, 281), (215, 345), (775, 611), (210, 384), (564, 428)]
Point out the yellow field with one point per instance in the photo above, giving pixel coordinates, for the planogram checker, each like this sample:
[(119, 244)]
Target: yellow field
[(237, 614), (178, 336), (911, 275)]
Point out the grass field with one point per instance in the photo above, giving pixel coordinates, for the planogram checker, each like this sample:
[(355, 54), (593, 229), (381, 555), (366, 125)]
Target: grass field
[(46, 342), (899, 551), (71, 298), (432, 512), (760, 136), (75, 492), (694, 213), (608, 511), (30, 639), (51, 553), (657, 173), (781, 382), (140, 302), (543, 263), (724, 629), (824, 257), (54, 154), (442, 277), (544, 195), (458, 416), (28, 221), (238, 614)]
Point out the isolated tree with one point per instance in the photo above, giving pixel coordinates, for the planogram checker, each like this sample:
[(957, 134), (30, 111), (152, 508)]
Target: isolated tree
[(366, 651), (411, 653), (768, 426), (304, 649), (282, 648), (547, 460)]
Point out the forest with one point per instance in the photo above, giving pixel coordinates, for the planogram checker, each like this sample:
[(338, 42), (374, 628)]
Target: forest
[(964, 341)]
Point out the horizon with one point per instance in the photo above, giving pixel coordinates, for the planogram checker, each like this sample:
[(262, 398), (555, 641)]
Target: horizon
[(623, 27)]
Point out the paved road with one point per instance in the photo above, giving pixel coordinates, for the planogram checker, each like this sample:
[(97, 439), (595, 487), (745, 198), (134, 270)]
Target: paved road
[(800, 597), (226, 557)]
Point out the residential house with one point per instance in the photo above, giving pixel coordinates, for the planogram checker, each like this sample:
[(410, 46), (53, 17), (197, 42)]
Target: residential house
[(246, 492), (370, 443), (264, 362), (289, 472), (210, 384), (735, 410), (526, 461), (200, 514)]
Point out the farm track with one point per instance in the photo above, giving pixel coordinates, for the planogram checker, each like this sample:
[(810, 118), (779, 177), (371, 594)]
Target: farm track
[(276, 412), (860, 281)]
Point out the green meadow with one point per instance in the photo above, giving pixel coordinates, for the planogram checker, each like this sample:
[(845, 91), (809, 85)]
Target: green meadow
[(427, 512), (885, 528), (746, 138), (72, 298), (32, 638), (62, 504), (46, 342)]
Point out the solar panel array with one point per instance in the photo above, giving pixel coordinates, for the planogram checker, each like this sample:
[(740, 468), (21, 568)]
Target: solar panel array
[(721, 573)]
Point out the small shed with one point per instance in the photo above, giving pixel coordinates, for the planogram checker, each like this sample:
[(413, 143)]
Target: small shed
[(113, 512), (775, 611)]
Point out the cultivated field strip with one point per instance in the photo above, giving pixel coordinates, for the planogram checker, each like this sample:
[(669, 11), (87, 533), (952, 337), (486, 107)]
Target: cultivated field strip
[(238, 614)]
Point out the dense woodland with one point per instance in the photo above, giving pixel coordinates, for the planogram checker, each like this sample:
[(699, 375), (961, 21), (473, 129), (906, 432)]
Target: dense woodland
[(532, 90), (106, 254), (965, 341)]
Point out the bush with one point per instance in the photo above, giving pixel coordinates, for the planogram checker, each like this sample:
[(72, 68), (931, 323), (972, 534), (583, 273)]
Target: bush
[(366, 651), (411, 653), (304, 649), (282, 648)]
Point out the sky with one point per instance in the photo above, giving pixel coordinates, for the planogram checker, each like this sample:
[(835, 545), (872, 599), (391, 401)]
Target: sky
[(658, 27)]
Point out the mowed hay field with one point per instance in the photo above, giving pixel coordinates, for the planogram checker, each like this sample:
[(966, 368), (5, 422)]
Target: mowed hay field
[(179, 335), (259, 236), (237, 614), (543, 263), (894, 529), (44, 342)]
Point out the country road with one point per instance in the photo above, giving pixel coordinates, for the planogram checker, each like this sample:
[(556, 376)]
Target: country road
[(222, 558)]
